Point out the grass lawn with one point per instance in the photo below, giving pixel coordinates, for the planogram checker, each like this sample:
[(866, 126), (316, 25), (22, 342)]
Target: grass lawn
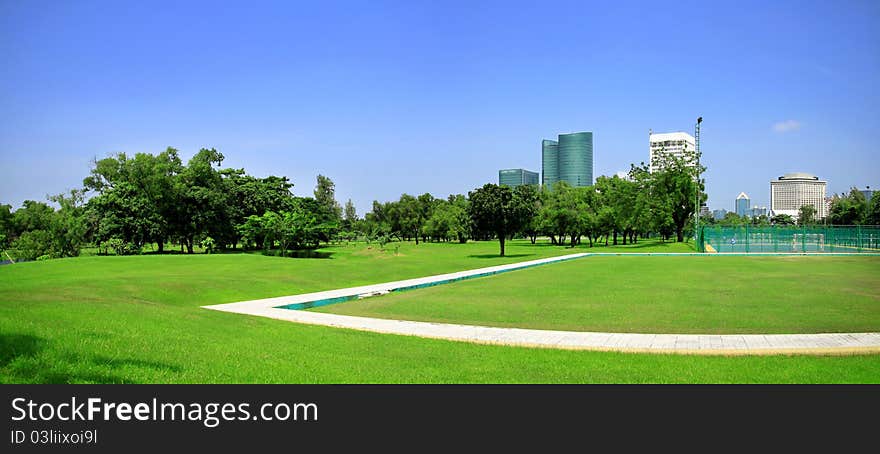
[(138, 320), (693, 295)]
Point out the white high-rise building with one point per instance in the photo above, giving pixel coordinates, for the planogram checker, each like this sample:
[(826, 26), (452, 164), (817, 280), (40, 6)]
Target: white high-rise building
[(669, 143), (793, 190)]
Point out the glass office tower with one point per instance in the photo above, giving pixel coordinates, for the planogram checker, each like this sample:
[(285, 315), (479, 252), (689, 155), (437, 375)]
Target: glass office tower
[(569, 159), (550, 162), (517, 177)]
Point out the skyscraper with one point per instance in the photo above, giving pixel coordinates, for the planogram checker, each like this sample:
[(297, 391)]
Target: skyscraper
[(569, 159), (669, 144), (793, 190), (549, 162), (742, 204), (517, 177)]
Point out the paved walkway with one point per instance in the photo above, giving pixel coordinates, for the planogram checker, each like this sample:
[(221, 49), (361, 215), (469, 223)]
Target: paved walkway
[(728, 344)]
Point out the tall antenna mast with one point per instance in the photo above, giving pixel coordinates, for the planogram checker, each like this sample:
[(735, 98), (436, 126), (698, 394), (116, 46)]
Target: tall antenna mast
[(697, 186)]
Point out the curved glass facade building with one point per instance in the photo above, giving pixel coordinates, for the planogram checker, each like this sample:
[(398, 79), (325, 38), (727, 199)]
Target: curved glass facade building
[(549, 162), (569, 159), (517, 177)]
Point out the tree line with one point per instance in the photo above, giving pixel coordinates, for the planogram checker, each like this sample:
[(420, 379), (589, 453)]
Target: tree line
[(614, 209), (128, 203)]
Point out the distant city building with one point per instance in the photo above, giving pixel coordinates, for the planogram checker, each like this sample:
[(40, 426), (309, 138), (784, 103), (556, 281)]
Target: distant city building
[(719, 214), (704, 210), (670, 143), (828, 201), (791, 191), (517, 177), (758, 211), (742, 204), (569, 159), (867, 192)]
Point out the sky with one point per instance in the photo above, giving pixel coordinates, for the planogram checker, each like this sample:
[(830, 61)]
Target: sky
[(416, 96)]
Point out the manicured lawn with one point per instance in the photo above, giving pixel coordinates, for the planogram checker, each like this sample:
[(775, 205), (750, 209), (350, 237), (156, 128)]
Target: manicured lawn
[(138, 320), (706, 294)]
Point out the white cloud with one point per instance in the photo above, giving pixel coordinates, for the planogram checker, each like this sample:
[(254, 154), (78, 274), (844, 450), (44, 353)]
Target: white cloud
[(787, 126)]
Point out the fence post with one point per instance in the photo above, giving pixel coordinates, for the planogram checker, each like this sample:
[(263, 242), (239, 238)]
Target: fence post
[(859, 238), (747, 238), (804, 238)]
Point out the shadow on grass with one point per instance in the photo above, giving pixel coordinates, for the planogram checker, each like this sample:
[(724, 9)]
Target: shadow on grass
[(13, 346), (495, 256), (309, 254), (22, 361)]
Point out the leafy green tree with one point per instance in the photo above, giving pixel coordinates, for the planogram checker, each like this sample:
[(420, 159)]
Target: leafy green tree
[(806, 215), (7, 226), (408, 217), (731, 219), (252, 232), (761, 220), (350, 215), (498, 210), (850, 209), (33, 244), (68, 227), (873, 217), (136, 197), (33, 216), (782, 219), (325, 194), (530, 199), (251, 196), (426, 208), (678, 189), (202, 208)]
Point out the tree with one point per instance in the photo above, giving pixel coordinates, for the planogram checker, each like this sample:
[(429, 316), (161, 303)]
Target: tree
[(426, 208), (530, 198), (677, 187), (873, 217), (32, 216), (202, 200), (136, 200), (731, 219), (351, 216), (252, 232), (68, 226), (7, 226), (325, 194), (850, 209), (782, 219), (251, 196), (406, 216), (806, 215), (498, 210)]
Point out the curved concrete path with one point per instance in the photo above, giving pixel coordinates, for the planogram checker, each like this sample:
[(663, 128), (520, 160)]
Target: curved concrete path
[(727, 344)]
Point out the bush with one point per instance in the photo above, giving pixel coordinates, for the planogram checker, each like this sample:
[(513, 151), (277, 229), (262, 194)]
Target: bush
[(121, 247), (209, 244), (33, 244)]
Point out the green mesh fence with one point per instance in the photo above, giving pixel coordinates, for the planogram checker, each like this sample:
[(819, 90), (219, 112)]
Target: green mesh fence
[(836, 239)]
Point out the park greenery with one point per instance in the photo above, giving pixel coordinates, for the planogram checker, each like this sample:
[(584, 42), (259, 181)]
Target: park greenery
[(673, 294), (139, 319), (146, 202)]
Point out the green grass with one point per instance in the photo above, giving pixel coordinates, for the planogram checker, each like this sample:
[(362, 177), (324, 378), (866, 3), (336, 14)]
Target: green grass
[(706, 294), (138, 320)]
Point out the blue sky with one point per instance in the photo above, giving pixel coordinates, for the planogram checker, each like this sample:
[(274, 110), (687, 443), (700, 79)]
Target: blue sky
[(410, 96)]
